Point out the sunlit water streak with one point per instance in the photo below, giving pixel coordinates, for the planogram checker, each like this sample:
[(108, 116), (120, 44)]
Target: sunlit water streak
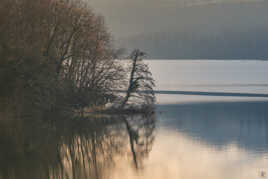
[(234, 76)]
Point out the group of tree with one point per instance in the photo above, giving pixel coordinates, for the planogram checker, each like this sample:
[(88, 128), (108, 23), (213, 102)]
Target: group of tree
[(58, 55), (57, 59)]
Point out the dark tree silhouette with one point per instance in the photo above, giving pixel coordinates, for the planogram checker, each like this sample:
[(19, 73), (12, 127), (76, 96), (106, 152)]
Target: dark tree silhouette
[(140, 86)]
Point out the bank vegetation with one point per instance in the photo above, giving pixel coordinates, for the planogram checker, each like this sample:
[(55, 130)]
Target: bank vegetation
[(58, 56)]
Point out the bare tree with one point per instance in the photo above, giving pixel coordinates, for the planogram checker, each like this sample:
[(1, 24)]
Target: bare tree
[(59, 51), (140, 85)]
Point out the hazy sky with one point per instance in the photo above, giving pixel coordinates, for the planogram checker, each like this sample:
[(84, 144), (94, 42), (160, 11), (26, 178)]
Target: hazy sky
[(130, 17), (235, 29)]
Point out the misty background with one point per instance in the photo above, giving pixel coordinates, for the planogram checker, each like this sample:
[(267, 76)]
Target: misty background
[(189, 29)]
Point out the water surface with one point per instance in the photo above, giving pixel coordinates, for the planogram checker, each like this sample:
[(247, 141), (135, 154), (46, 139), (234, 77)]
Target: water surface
[(210, 122), (208, 136)]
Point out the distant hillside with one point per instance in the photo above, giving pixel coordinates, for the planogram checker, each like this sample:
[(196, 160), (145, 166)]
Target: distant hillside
[(227, 44), (224, 31)]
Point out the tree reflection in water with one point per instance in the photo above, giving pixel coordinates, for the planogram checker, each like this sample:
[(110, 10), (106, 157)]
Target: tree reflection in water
[(73, 148)]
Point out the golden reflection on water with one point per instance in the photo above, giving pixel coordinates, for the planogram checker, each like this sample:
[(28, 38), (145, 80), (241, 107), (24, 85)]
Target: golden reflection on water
[(75, 148), (176, 155), (206, 140)]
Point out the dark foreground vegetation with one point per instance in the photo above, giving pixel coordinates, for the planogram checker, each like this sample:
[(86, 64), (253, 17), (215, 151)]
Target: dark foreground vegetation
[(61, 115), (57, 55)]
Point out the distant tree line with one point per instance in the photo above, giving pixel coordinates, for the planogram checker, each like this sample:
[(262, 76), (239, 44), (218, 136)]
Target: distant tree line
[(57, 55), (189, 44)]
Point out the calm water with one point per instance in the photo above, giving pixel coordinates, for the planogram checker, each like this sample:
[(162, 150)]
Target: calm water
[(210, 136), (208, 124), (209, 76), (203, 136)]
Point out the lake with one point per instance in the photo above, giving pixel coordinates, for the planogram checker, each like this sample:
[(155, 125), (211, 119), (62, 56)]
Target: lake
[(209, 136), (211, 122)]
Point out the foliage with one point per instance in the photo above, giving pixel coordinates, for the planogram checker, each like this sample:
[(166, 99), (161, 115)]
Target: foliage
[(56, 58), (55, 53)]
